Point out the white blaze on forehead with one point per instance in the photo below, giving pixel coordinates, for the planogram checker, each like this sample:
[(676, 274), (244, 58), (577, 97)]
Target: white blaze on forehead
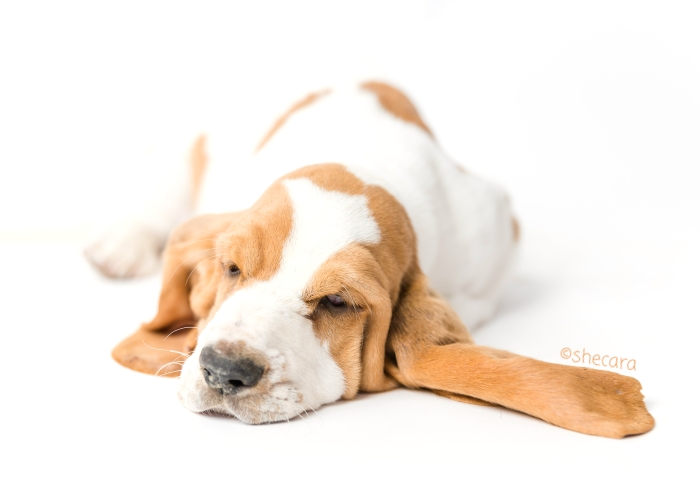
[(324, 222)]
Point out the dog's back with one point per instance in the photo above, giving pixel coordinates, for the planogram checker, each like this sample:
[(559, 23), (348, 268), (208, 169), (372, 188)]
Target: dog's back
[(465, 229)]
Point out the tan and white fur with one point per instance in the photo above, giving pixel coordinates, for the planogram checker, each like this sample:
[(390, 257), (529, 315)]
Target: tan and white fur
[(349, 197)]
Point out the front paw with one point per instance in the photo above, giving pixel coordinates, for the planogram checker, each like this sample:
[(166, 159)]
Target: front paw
[(607, 404), (129, 249)]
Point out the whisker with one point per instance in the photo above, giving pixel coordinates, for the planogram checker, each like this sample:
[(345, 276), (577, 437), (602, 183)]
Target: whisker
[(197, 264), (315, 412), (167, 350), (183, 328), (305, 420), (302, 409), (185, 260), (165, 366), (179, 361)]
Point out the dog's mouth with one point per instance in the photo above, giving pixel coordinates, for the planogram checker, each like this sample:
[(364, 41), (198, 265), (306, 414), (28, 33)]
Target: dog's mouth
[(282, 404), (262, 403), (256, 408)]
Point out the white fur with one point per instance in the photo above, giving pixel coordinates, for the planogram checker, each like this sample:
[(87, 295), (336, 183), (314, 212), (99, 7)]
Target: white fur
[(269, 316), (463, 223)]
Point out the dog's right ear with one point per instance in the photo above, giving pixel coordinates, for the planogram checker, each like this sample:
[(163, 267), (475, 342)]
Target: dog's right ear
[(190, 279)]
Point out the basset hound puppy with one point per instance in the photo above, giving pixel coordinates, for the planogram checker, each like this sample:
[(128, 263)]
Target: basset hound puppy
[(344, 263)]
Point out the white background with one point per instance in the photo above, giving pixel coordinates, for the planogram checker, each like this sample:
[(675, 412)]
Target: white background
[(589, 114)]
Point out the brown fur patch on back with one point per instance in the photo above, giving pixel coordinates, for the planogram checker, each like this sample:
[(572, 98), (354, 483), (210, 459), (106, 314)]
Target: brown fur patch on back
[(396, 103), (306, 101), (198, 165), (516, 229)]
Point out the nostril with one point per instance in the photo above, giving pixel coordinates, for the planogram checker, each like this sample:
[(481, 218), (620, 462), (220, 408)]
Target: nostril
[(228, 374)]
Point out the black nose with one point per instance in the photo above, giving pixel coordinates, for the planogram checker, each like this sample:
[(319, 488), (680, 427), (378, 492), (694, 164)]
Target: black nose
[(228, 374)]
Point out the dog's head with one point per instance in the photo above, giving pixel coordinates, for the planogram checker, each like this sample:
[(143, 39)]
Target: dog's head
[(292, 299)]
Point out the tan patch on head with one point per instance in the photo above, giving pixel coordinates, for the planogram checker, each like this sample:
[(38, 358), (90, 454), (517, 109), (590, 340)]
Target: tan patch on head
[(256, 242), (308, 100), (396, 103)]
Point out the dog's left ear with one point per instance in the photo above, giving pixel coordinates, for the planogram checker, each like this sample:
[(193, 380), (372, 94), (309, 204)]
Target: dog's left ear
[(429, 347), (191, 275)]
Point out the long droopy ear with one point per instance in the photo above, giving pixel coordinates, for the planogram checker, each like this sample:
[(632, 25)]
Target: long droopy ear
[(428, 347), (190, 279)]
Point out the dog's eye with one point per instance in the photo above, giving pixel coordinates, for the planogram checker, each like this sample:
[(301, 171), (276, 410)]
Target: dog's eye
[(233, 270), (335, 300)]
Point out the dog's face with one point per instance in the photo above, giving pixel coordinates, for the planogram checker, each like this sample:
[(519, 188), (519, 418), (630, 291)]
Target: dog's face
[(305, 281)]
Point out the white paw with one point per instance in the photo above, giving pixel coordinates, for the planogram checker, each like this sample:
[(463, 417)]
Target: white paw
[(127, 250)]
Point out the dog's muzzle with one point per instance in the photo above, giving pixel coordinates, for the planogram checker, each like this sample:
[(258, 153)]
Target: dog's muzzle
[(228, 374)]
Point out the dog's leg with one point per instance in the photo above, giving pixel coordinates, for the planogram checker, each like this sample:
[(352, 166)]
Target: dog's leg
[(131, 247), (590, 401), (430, 348)]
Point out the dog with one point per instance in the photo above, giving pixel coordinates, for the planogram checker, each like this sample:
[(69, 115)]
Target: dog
[(355, 259)]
